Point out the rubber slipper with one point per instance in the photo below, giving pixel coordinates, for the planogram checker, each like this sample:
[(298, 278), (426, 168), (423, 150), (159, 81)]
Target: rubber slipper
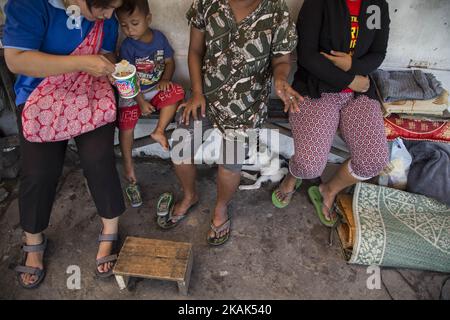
[(164, 204), (170, 221), (280, 204), (216, 240), (316, 198)]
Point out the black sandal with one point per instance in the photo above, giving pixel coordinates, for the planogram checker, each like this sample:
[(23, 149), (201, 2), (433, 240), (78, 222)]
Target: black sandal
[(114, 238), (23, 268)]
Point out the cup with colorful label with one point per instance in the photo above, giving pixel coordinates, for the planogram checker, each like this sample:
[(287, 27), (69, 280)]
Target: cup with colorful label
[(126, 80)]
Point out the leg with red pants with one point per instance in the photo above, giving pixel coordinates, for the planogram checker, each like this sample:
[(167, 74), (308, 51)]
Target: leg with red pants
[(167, 103), (128, 118)]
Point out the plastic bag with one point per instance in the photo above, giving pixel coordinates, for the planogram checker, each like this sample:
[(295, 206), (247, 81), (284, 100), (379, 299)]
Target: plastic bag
[(395, 175)]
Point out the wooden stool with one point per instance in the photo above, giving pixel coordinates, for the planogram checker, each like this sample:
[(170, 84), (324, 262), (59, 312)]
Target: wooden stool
[(154, 259)]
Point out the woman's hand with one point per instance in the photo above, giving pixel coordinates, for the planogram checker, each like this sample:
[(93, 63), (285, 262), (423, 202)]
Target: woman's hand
[(341, 60), (191, 107), (164, 85), (360, 84), (97, 65), (290, 97)]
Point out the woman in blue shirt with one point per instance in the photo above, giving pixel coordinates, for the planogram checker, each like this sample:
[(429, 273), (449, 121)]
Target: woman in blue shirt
[(40, 36)]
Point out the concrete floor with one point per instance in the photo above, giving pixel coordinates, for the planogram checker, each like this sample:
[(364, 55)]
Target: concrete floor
[(272, 254)]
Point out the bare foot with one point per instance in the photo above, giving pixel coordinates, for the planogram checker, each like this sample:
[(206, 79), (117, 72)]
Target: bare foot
[(160, 137), (220, 217), (35, 260), (285, 188), (328, 201), (183, 206), (104, 250)]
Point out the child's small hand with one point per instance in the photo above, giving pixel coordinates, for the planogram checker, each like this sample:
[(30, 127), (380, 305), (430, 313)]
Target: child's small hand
[(146, 108), (164, 85), (191, 107)]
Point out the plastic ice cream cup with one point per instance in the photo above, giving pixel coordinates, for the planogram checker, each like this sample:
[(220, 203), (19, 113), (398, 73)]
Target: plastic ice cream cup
[(127, 84)]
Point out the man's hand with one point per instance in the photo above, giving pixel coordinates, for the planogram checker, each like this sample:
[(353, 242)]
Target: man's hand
[(341, 60), (164, 85), (191, 107), (290, 97)]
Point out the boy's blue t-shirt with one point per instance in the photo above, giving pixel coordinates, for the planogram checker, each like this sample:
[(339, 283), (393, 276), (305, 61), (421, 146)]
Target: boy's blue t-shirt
[(41, 25), (149, 58)]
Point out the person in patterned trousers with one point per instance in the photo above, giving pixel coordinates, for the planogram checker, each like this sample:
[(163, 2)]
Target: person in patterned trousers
[(340, 44)]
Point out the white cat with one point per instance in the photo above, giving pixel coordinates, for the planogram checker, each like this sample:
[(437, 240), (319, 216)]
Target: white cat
[(269, 166)]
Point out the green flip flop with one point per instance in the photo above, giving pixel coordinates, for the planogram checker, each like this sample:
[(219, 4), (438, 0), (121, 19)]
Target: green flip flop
[(164, 203), (316, 198), (280, 204), (170, 221)]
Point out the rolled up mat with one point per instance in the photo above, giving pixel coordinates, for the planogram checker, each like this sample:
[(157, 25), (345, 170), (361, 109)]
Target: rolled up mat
[(346, 229), (399, 229)]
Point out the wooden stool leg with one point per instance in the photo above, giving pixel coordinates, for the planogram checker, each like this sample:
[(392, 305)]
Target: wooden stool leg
[(122, 281), (183, 286)]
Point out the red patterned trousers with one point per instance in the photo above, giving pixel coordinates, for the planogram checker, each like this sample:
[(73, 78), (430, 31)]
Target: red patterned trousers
[(361, 124)]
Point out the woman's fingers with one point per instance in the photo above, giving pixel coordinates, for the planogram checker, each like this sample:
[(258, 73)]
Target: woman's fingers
[(338, 53), (109, 68), (328, 56)]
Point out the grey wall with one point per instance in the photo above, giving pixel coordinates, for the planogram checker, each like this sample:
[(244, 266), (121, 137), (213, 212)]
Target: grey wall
[(420, 31)]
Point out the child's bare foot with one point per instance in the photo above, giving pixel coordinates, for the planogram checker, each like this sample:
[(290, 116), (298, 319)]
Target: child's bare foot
[(160, 137)]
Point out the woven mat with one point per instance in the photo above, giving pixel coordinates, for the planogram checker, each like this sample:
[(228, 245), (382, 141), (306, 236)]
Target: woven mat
[(399, 229)]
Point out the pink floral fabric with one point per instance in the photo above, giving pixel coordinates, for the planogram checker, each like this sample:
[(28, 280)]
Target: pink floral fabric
[(68, 105)]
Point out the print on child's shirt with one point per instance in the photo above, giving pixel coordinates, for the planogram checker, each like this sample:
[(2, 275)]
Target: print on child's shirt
[(150, 69)]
